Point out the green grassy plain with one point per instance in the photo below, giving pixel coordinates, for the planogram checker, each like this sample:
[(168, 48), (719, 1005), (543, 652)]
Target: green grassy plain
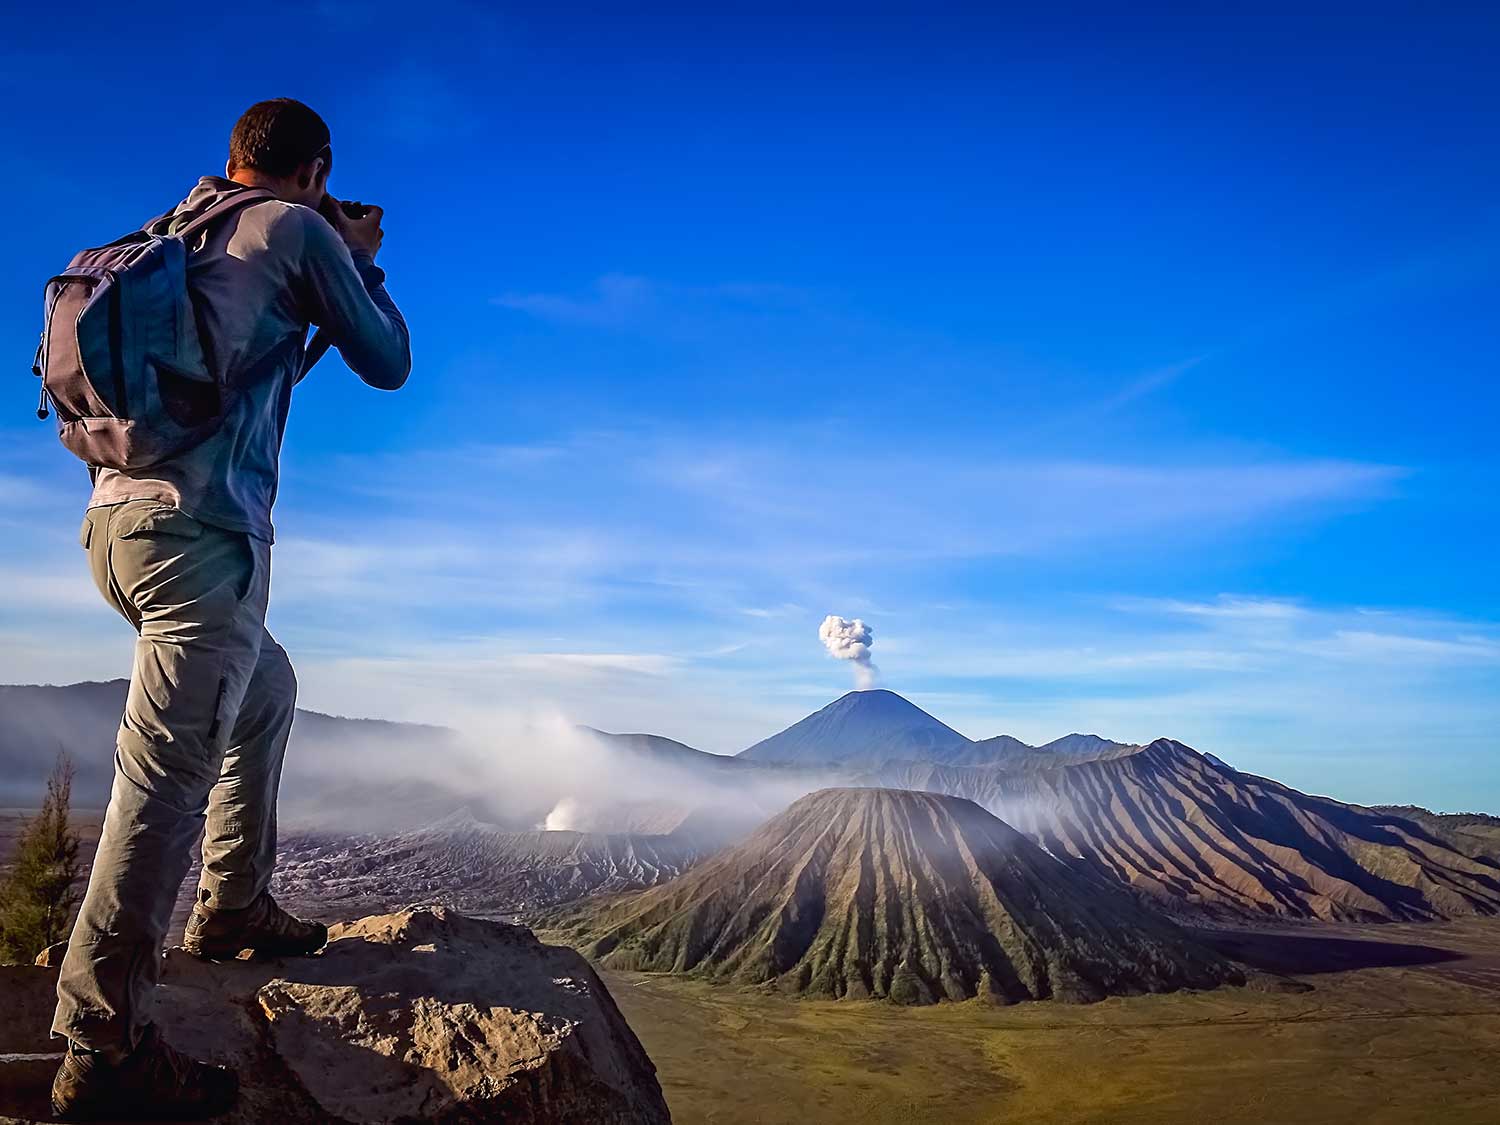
[(1393, 1042)]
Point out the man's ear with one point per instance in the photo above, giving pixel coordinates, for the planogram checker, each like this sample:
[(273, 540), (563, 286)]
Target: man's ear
[(229, 169), (313, 173)]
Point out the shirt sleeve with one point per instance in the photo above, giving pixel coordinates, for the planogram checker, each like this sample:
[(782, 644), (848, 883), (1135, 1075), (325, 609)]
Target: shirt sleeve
[(346, 295)]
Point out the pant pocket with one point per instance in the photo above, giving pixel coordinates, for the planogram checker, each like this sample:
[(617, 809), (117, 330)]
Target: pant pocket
[(143, 519), (252, 565), (217, 724)]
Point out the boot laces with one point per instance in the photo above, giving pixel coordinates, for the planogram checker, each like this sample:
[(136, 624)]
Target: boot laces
[(169, 1072)]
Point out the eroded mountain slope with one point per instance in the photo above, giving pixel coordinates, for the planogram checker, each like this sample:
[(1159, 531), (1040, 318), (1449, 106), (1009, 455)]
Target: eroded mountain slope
[(914, 897), (1201, 837)]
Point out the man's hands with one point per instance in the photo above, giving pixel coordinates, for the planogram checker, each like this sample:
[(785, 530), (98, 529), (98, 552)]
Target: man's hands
[(363, 233)]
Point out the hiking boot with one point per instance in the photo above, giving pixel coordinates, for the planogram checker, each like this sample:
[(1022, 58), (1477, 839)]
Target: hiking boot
[(153, 1082), (263, 927)]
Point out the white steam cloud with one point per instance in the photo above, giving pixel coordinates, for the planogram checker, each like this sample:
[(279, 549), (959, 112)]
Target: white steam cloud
[(564, 817), (850, 640)]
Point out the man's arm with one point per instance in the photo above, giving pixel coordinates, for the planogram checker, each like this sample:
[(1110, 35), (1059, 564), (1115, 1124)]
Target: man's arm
[(346, 295)]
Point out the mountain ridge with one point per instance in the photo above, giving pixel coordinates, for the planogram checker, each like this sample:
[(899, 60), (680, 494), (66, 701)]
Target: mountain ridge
[(1199, 838)]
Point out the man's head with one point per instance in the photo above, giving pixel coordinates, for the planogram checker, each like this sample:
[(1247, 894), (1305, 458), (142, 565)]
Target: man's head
[(283, 146)]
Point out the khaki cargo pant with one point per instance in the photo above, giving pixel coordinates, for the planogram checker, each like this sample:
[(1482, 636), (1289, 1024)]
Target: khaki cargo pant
[(201, 746)]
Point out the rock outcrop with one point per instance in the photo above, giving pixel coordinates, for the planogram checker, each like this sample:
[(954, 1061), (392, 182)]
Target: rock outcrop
[(419, 1016)]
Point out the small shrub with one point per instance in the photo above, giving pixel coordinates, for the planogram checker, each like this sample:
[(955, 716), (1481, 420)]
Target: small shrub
[(40, 892)]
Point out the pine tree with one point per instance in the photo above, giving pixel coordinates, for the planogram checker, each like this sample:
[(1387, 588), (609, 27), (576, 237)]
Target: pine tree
[(38, 895)]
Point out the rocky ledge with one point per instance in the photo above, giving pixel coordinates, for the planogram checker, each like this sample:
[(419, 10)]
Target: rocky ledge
[(419, 1016)]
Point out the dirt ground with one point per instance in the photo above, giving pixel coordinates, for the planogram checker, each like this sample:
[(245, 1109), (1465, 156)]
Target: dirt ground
[(1402, 1024)]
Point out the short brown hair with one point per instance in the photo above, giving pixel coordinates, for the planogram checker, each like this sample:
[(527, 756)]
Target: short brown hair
[(277, 137)]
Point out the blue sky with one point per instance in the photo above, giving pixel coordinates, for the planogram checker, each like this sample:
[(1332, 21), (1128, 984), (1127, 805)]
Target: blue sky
[(1127, 368)]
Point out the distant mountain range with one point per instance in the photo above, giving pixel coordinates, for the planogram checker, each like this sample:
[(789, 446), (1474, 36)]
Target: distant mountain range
[(1177, 828), (668, 750), (39, 721), (870, 727), (863, 728), (371, 775)]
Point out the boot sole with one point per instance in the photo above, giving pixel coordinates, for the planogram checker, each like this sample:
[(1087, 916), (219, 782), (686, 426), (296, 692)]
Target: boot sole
[(113, 1111), (220, 953)]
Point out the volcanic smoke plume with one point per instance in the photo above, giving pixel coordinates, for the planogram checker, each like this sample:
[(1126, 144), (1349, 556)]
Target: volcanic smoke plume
[(564, 816), (850, 640)]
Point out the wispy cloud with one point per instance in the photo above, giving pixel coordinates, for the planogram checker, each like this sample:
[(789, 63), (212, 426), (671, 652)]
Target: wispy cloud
[(44, 593), (789, 609), (1285, 687), (671, 523), (707, 562), (1333, 633), (21, 492), (463, 681), (631, 301), (1133, 389), (614, 300), (1406, 648), (1226, 605), (670, 580)]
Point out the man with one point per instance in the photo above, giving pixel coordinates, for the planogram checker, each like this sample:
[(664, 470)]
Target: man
[(182, 551)]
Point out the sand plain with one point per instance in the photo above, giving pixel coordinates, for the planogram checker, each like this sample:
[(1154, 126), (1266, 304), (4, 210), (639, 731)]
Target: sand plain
[(1401, 1024)]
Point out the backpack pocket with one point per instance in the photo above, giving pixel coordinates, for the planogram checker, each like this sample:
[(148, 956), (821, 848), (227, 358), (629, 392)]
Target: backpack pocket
[(191, 399), (113, 443), (81, 339)]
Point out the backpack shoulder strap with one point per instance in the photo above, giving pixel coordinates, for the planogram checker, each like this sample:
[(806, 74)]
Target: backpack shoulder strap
[(224, 207)]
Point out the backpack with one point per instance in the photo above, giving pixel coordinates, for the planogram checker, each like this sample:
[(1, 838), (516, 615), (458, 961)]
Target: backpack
[(120, 357)]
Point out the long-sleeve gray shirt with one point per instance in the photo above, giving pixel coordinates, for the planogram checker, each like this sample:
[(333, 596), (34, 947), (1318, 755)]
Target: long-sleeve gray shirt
[(259, 278)]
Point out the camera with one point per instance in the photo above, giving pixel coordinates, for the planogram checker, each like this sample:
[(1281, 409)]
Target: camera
[(351, 210)]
